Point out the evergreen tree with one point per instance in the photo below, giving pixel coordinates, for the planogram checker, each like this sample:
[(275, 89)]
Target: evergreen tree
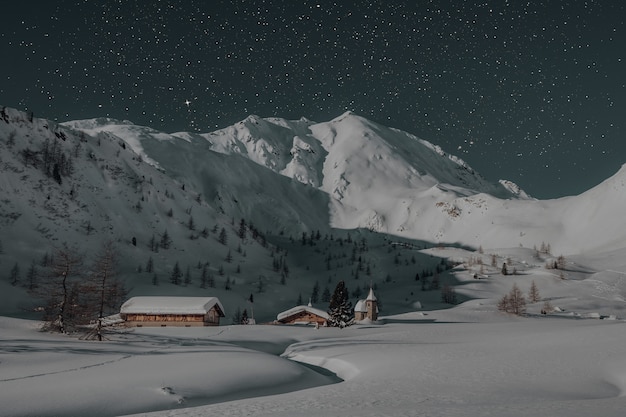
[(325, 295), (187, 276), (204, 276), (260, 284), (31, 276), (166, 241), (315, 293), (340, 308), (15, 274), (176, 274), (149, 265), (210, 280), (242, 229), (191, 225), (533, 293), (223, 237)]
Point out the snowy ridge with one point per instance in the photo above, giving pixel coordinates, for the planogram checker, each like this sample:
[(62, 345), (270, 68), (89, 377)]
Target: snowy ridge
[(355, 173)]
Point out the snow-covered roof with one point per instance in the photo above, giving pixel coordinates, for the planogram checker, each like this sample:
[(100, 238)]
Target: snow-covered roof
[(170, 305), (298, 309), (371, 295)]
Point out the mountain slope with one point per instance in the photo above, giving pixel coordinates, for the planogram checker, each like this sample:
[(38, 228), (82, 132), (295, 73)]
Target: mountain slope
[(325, 201)]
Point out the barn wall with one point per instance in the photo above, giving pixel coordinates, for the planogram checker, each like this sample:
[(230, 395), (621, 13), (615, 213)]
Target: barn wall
[(156, 320)]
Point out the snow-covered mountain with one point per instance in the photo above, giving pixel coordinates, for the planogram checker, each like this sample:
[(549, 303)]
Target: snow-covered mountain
[(359, 174), (85, 181)]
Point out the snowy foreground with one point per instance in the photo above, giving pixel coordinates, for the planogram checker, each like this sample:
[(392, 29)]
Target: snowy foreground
[(462, 361)]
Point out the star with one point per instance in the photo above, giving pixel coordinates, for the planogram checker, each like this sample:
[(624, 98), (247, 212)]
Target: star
[(187, 102)]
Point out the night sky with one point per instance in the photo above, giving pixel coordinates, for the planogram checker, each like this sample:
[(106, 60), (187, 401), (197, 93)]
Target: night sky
[(534, 92)]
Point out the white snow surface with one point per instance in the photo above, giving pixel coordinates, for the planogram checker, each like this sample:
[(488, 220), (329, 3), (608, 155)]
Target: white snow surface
[(414, 365), (170, 305), (412, 201)]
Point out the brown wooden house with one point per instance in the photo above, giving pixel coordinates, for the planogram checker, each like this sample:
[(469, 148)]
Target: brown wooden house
[(303, 315), (172, 311)]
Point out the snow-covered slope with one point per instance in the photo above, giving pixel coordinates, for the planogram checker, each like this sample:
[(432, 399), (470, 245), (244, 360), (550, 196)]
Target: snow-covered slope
[(132, 183), (359, 174)]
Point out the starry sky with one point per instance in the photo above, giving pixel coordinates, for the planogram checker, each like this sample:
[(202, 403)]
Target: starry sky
[(530, 91)]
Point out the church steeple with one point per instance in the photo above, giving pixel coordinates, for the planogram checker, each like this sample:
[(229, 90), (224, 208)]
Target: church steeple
[(371, 304)]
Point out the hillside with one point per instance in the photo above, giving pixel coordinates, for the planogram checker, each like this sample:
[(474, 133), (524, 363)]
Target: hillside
[(301, 204)]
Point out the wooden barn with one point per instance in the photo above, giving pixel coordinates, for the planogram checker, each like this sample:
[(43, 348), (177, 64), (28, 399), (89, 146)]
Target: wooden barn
[(172, 311), (303, 315)]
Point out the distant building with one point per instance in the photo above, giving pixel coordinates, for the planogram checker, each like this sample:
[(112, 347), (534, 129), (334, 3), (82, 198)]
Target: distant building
[(303, 315), (366, 309), (172, 311)]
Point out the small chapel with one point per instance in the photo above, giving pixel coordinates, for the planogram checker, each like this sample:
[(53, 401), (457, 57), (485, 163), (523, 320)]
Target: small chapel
[(366, 309)]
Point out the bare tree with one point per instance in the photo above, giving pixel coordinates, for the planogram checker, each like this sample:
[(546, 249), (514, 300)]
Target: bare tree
[(60, 289), (103, 283)]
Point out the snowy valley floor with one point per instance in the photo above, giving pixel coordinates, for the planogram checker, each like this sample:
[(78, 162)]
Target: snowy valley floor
[(462, 361)]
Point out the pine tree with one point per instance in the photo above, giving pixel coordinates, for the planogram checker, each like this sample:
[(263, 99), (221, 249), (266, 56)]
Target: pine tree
[(340, 308), (533, 293), (223, 237), (31, 276), (242, 229), (166, 241), (315, 293), (15, 274), (176, 274), (260, 284), (204, 276), (325, 295), (187, 276), (149, 265), (191, 225)]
